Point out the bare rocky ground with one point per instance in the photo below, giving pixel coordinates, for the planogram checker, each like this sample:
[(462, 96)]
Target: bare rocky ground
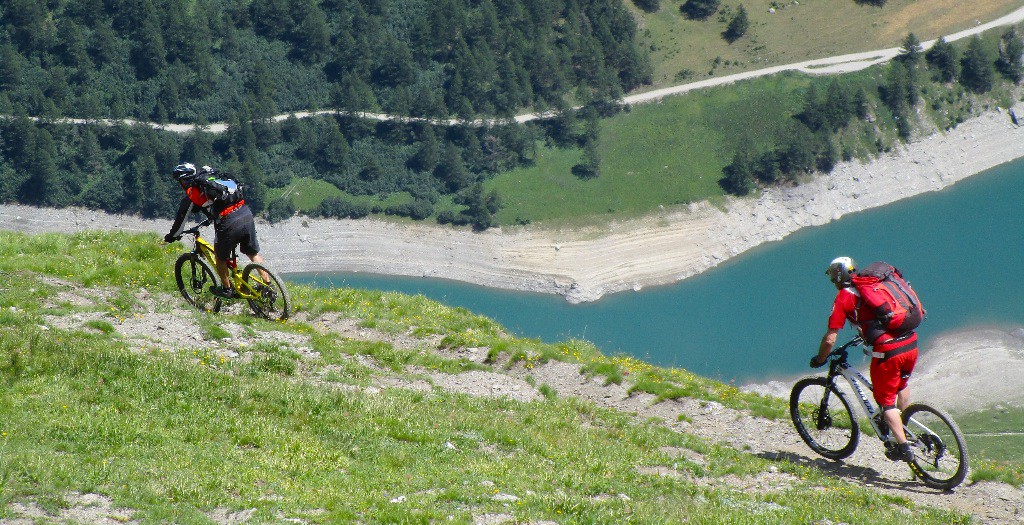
[(163, 322)]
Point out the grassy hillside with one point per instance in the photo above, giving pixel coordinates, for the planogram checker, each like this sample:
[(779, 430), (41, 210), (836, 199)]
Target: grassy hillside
[(685, 50), (994, 436), (673, 152), (656, 154), (252, 422)]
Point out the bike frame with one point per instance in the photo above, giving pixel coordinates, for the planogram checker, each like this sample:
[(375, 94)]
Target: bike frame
[(205, 250), (860, 385)]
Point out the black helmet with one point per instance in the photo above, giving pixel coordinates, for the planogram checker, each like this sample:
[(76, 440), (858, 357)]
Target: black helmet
[(840, 270), (207, 171), (184, 171)]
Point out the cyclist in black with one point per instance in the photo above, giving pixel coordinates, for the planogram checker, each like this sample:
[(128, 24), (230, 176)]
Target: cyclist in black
[(233, 223)]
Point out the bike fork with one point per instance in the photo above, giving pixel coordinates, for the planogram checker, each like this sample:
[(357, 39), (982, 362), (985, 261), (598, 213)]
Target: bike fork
[(824, 419)]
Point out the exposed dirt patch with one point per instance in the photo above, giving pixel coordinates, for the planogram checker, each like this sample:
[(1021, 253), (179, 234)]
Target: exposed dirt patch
[(76, 508)]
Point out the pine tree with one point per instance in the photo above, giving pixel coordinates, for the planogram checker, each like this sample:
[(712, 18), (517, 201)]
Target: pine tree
[(149, 56), (1011, 53), (942, 57), (103, 46), (738, 26), (797, 153), (910, 53), (272, 18), (312, 33), (335, 150), (700, 9), (198, 147), (838, 107), (896, 90), (255, 186), (10, 68), (451, 171), (262, 88), (478, 207), (429, 152), (813, 114), (44, 185), (739, 174), (590, 165), (977, 69)]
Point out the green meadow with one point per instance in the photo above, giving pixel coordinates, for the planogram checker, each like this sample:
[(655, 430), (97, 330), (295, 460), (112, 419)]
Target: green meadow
[(286, 433)]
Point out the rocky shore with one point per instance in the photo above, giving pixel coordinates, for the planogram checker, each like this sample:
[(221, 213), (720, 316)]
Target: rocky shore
[(585, 264)]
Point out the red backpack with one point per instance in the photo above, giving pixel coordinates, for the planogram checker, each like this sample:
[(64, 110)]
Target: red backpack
[(898, 310)]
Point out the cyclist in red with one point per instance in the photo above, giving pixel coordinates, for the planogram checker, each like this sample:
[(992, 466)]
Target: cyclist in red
[(892, 358)]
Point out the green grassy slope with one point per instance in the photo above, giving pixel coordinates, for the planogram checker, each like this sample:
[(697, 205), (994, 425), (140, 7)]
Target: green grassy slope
[(656, 154), (177, 436), (994, 436)]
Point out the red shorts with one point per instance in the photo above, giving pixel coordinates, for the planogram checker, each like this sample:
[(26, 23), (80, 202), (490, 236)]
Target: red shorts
[(890, 376)]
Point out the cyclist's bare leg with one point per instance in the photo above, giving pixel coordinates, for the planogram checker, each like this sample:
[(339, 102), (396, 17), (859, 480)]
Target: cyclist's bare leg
[(224, 272), (903, 399), (258, 259), (892, 418)]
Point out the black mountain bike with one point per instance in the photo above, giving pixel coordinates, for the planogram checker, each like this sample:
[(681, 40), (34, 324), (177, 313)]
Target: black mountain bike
[(825, 420)]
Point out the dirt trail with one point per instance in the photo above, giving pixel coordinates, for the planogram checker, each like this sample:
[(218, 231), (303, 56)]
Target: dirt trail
[(162, 322)]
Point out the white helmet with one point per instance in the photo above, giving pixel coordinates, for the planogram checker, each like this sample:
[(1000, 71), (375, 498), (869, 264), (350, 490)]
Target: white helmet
[(184, 171), (840, 270)]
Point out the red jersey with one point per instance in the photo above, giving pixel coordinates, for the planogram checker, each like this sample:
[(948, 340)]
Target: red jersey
[(197, 197)]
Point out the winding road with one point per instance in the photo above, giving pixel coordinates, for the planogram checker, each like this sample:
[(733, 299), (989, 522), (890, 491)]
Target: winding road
[(822, 66)]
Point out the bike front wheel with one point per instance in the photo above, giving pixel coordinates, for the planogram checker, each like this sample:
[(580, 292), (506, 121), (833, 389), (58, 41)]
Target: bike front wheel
[(269, 298), (940, 452), (823, 417), (194, 277)]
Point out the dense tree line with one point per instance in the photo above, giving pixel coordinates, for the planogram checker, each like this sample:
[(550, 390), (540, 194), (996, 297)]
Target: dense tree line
[(125, 169), (811, 144), (201, 60)]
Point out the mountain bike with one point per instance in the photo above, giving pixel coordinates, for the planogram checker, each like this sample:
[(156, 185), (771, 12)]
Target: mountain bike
[(825, 420), (262, 288)]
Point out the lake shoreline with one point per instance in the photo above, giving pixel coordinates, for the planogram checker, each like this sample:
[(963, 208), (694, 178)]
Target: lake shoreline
[(584, 264)]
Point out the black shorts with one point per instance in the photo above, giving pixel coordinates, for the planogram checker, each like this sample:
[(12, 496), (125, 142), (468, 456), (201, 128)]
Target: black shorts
[(236, 229)]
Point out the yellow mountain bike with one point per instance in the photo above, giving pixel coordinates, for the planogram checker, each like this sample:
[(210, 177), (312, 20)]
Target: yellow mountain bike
[(194, 271)]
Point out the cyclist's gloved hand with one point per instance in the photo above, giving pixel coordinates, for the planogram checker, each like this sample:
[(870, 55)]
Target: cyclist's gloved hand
[(170, 238), (818, 364)]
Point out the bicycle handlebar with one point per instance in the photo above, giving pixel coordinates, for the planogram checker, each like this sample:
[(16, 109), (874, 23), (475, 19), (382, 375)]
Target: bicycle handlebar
[(840, 354), (195, 229)]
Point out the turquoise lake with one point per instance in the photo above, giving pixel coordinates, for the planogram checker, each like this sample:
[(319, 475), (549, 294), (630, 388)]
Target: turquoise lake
[(761, 315)]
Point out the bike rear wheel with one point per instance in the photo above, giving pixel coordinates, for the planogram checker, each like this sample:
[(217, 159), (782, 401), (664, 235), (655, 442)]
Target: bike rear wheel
[(940, 452), (194, 277), (823, 417), (271, 299)]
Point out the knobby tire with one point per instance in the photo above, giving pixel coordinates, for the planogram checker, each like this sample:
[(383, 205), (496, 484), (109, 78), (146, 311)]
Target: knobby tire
[(824, 418), (273, 302), (194, 277), (940, 453)]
